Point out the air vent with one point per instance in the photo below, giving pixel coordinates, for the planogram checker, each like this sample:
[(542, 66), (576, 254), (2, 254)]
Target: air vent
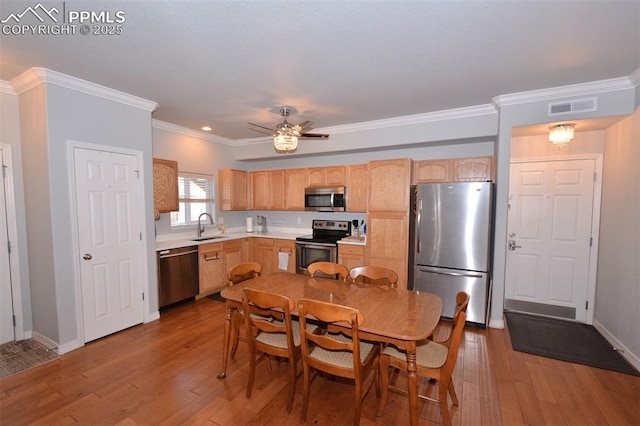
[(576, 105)]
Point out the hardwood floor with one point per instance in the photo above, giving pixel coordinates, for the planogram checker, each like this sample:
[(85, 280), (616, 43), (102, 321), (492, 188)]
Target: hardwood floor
[(165, 373)]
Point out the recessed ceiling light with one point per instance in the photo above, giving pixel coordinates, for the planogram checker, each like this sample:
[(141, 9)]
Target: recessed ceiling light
[(206, 128)]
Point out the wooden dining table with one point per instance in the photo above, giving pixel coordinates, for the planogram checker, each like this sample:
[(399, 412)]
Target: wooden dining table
[(392, 315)]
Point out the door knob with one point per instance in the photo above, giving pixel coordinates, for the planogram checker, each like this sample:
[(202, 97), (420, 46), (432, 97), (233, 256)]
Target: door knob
[(87, 256), (512, 245)]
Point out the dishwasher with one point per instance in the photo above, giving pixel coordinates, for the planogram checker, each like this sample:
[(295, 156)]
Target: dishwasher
[(177, 275)]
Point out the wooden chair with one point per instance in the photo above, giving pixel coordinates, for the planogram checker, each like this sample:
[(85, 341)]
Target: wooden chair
[(435, 360), (376, 275), (328, 268), (278, 337), (238, 273), (336, 354)]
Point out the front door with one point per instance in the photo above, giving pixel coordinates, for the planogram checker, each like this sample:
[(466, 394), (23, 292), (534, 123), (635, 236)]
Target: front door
[(109, 234), (549, 237)]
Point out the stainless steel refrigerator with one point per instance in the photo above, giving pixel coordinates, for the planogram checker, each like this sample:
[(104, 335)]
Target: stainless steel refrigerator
[(451, 234)]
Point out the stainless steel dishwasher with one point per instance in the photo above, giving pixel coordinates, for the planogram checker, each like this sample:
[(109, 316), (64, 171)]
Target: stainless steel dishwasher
[(177, 275)]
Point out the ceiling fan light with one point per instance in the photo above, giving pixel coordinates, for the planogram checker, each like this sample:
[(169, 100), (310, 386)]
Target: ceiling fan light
[(285, 142), (561, 134)]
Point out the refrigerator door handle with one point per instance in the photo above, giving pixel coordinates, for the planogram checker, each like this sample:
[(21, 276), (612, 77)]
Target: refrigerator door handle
[(455, 274), (418, 222)]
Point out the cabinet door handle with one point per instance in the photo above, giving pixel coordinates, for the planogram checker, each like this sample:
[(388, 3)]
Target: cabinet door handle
[(285, 251), (214, 257)]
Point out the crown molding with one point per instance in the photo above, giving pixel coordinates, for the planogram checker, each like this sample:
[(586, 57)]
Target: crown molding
[(35, 76), (580, 89), (174, 128), (5, 87), (635, 78)]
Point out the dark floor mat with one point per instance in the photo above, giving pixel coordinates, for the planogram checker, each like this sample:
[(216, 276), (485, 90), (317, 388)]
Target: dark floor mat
[(564, 340)]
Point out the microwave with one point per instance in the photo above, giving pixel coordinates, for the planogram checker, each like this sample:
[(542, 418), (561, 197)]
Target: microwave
[(325, 199)]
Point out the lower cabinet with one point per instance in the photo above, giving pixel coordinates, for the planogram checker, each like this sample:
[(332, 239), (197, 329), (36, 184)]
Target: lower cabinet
[(388, 242), (211, 267), (350, 255), (262, 252)]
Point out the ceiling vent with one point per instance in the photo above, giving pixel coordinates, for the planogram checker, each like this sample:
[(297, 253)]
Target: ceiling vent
[(576, 105)]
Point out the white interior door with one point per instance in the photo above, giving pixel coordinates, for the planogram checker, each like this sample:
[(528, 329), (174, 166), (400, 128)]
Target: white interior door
[(7, 333), (109, 233), (549, 237)]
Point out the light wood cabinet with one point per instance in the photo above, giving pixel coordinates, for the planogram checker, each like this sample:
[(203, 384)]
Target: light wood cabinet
[(262, 252), (212, 273), (277, 191), (233, 189), (350, 255), (478, 169), (326, 176), (234, 253), (426, 171), (295, 182), (165, 185), (388, 242), (260, 190), (357, 185), (389, 182), (288, 247)]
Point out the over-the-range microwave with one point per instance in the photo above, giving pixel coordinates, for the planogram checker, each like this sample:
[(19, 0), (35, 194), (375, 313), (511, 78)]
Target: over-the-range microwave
[(325, 199)]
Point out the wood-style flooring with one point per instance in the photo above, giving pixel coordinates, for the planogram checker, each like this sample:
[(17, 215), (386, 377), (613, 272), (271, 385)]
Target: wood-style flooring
[(165, 372)]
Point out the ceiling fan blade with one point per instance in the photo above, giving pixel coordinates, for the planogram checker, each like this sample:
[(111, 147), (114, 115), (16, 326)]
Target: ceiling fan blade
[(314, 135), (257, 125), (305, 123)]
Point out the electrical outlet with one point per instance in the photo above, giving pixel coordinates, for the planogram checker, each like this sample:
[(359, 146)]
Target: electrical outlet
[(299, 220)]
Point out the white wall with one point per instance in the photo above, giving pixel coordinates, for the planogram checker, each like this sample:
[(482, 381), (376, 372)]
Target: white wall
[(618, 287)]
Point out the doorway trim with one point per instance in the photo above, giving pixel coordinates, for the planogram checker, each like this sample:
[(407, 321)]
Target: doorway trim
[(12, 234), (77, 280), (595, 221)]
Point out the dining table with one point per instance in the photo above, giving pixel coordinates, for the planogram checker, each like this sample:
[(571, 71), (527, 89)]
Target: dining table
[(392, 315)]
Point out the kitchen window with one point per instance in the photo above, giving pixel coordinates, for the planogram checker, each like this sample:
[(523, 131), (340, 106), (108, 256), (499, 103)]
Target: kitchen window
[(195, 196)]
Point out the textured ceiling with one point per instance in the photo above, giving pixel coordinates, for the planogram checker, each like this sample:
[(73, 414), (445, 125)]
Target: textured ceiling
[(226, 63)]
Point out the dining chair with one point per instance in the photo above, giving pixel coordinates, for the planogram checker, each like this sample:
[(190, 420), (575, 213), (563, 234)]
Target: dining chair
[(237, 274), (279, 336), (328, 268), (434, 360), (336, 353), (376, 275)]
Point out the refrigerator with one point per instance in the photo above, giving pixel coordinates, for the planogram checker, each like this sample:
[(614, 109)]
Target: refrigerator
[(451, 235)]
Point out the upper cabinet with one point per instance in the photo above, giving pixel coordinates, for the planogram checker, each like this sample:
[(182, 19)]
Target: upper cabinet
[(478, 169), (326, 176), (389, 182), (260, 190), (165, 185), (232, 189), (357, 179), (295, 182)]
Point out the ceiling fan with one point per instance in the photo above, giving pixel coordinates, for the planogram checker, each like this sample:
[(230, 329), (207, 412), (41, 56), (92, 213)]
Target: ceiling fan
[(286, 135)]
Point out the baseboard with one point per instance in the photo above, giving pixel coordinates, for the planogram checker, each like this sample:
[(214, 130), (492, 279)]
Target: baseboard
[(50, 344), (622, 349), (153, 316), (496, 323)]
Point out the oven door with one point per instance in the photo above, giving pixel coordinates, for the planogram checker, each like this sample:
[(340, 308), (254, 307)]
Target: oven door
[(309, 252)]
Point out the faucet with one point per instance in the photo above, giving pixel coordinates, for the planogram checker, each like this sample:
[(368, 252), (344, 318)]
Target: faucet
[(201, 227)]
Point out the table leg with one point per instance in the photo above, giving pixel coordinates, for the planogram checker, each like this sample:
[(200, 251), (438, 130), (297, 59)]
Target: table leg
[(225, 341), (412, 378)]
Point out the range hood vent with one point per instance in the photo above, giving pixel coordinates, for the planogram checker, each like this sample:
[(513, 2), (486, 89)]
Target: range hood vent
[(576, 105)]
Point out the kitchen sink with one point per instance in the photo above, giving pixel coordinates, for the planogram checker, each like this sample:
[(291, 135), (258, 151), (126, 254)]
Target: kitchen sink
[(215, 237)]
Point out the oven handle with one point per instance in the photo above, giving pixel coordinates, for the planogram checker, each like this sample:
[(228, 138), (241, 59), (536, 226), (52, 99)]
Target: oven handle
[(312, 245)]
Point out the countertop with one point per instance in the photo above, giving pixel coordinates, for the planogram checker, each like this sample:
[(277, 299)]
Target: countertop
[(170, 241)]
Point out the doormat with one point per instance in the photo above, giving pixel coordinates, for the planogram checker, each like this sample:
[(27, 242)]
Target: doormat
[(566, 341), (22, 355), (216, 296)]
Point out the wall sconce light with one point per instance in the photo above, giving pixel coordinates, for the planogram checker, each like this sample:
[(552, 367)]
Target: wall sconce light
[(561, 134)]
